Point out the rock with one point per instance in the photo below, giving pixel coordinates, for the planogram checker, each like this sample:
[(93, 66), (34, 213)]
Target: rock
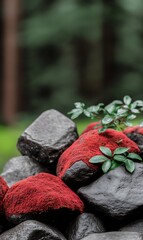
[(32, 230), (3, 189), (114, 236), (75, 160), (19, 168), (136, 134), (83, 225), (117, 194), (43, 197), (136, 226), (47, 137)]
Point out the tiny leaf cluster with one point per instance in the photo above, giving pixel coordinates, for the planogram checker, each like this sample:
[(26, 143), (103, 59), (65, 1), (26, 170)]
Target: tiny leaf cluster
[(116, 115), (120, 156)]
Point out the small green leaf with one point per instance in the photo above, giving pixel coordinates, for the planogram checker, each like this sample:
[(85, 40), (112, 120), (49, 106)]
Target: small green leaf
[(98, 159), (75, 113), (135, 110), (93, 109), (110, 108), (121, 150), (131, 117), (115, 164), (139, 103), (122, 112), (101, 130), (86, 113), (106, 151), (120, 158), (128, 124), (134, 156), (106, 166), (106, 120), (127, 100), (79, 105), (130, 166)]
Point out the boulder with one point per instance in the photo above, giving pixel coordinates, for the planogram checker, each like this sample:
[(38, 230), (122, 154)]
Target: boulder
[(136, 226), (117, 194), (19, 168), (47, 137), (136, 134), (83, 225), (3, 189), (32, 230), (75, 160), (43, 197), (114, 236)]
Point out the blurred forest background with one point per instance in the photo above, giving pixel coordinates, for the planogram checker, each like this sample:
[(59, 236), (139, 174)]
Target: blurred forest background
[(56, 52)]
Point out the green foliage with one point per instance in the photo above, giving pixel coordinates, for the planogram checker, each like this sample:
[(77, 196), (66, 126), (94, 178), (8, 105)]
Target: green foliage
[(117, 115), (120, 156)]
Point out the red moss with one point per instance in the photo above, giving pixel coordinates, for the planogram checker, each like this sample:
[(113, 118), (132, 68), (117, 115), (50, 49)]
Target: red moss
[(136, 129), (3, 190), (88, 145), (40, 193), (91, 126)]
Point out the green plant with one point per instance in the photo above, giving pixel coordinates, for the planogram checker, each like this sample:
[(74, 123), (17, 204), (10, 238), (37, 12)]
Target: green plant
[(117, 115), (119, 157)]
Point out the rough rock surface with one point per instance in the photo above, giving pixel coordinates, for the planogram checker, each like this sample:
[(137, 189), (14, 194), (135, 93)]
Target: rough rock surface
[(85, 147), (114, 236), (47, 137), (42, 197), (32, 230), (136, 134), (117, 194), (3, 189), (136, 226), (83, 225), (19, 168)]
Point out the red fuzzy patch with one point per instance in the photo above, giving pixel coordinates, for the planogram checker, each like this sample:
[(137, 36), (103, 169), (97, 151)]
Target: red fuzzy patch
[(88, 145), (136, 129), (40, 193), (3, 190), (91, 126)]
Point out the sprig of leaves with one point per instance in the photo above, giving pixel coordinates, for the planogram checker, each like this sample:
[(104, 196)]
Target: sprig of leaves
[(117, 115), (120, 156)]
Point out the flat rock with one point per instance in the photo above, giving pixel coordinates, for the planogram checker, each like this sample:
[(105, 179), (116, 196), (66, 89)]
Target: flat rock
[(19, 168), (136, 226), (32, 230), (117, 194), (47, 137), (43, 197), (83, 225), (114, 236), (75, 160)]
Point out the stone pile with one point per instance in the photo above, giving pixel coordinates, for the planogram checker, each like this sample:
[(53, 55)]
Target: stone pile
[(52, 192)]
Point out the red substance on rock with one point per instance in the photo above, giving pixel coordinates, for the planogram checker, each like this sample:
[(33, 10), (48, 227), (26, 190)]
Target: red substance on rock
[(91, 126), (3, 190), (88, 145), (40, 193), (136, 129)]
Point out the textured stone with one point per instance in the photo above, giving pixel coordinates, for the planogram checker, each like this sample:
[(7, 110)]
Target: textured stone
[(43, 197), (136, 226), (114, 236), (117, 194), (47, 137), (70, 168), (136, 134), (83, 225), (19, 168), (32, 230)]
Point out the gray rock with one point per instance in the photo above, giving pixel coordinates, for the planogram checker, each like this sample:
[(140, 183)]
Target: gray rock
[(114, 236), (32, 230), (47, 137), (84, 224), (117, 194), (138, 139), (136, 226), (19, 168)]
